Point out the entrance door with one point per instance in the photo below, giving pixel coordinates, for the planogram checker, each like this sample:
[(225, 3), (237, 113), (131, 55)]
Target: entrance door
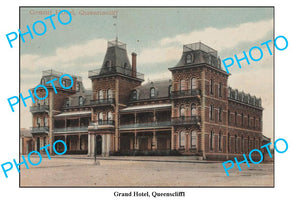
[(99, 144)]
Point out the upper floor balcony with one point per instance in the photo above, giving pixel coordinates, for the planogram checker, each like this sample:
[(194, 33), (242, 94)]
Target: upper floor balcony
[(101, 124), (186, 93), (186, 120), (39, 108), (71, 129), (146, 125), (40, 129), (102, 102)]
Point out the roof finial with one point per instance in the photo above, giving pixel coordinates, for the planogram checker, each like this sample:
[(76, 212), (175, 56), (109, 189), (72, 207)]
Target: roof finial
[(116, 25)]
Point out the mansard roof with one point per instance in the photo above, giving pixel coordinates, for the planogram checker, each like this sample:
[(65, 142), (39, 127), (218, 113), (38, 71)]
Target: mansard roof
[(161, 90), (234, 94)]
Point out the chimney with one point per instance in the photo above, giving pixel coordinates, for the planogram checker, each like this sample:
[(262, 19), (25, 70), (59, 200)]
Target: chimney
[(133, 61)]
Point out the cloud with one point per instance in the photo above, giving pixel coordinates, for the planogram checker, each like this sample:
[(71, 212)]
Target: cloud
[(224, 38), (64, 56), (159, 54)]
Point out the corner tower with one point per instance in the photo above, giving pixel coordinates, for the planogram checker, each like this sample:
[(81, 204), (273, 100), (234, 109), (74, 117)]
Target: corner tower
[(199, 101)]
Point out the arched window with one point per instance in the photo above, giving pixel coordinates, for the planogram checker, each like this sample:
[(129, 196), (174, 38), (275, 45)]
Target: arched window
[(100, 117), (107, 64), (189, 58), (38, 122), (182, 139), (182, 111), (170, 90), (193, 110), (109, 94), (243, 144), (100, 95), (235, 118), (235, 144), (134, 95), (80, 100), (45, 121), (182, 85), (152, 92), (109, 116), (43, 81), (211, 139), (193, 139), (220, 142), (193, 83), (211, 112)]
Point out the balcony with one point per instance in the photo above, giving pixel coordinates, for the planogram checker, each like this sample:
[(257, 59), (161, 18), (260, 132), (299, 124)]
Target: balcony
[(41, 129), (71, 129), (186, 120), (40, 108), (156, 125), (186, 93), (103, 102), (104, 124)]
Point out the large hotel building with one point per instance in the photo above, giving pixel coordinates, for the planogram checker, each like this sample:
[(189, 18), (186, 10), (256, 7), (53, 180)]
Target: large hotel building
[(194, 113)]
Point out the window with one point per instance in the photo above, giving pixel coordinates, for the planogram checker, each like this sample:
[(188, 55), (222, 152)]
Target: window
[(259, 123), (211, 109), (248, 120), (193, 83), (152, 92), (64, 83), (193, 139), (211, 140), (45, 142), (242, 119), (125, 65), (43, 81), (220, 142), (189, 58), (46, 101), (38, 102), (211, 86), (235, 118), (45, 121), (100, 117), (38, 122), (80, 101), (109, 94), (243, 144), (100, 95), (220, 114), (170, 90), (67, 102), (134, 95), (235, 144), (254, 122), (109, 116), (182, 85), (107, 64), (193, 110), (77, 87), (182, 111), (182, 139), (220, 90)]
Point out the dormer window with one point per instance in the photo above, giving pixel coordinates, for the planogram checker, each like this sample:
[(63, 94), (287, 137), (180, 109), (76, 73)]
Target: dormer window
[(125, 65), (43, 81), (134, 95), (77, 87), (170, 90), (152, 92), (80, 101), (107, 64), (189, 58)]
